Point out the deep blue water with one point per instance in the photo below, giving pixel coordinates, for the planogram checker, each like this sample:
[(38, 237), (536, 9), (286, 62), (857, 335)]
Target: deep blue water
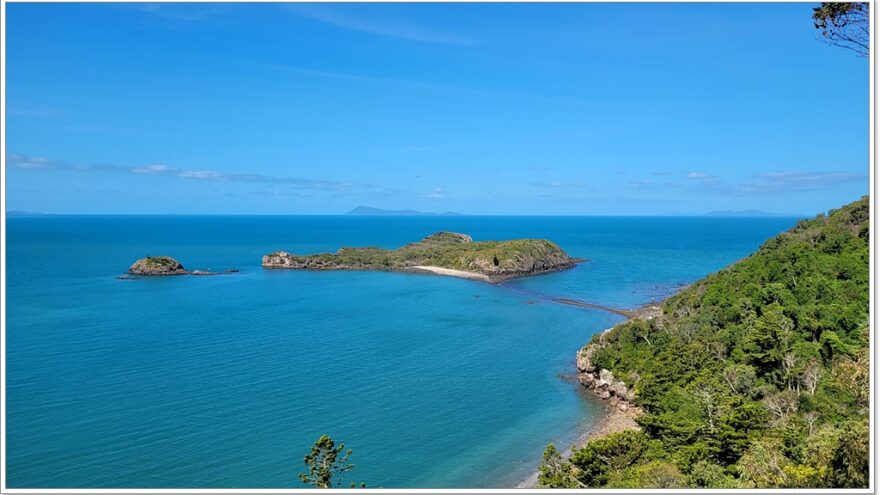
[(226, 381)]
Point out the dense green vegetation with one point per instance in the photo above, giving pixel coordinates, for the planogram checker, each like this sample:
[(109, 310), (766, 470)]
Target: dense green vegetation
[(443, 249), (756, 376)]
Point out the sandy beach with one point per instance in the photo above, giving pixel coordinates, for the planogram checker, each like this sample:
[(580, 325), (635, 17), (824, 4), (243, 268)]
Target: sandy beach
[(452, 273)]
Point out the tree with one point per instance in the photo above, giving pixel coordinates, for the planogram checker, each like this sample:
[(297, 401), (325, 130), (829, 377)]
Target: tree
[(811, 376), (769, 339), (324, 462), (851, 463), (844, 24), (654, 474), (705, 474), (600, 458), (740, 378), (555, 472), (763, 464)]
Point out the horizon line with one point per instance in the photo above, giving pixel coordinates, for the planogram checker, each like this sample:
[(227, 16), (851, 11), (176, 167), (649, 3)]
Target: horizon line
[(668, 215)]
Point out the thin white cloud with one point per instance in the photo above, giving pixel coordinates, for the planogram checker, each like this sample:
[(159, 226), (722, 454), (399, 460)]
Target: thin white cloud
[(153, 169), (179, 11), (382, 27), (558, 184), (31, 163), (437, 193), (42, 163), (795, 181), (202, 174), (698, 175), (32, 112), (411, 83), (704, 179)]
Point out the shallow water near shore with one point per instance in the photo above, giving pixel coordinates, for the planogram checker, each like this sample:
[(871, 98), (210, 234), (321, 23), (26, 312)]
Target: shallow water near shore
[(225, 381)]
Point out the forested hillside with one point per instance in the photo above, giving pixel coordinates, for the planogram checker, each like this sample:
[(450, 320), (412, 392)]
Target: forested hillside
[(756, 376)]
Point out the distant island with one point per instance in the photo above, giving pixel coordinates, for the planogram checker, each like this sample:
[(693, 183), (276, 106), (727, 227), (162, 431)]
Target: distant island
[(156, 266), (745, 213), (370, 211), (22, 213), (443, 253)]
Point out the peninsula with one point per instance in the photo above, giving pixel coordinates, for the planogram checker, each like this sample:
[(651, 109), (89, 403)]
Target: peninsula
[(443, 253)]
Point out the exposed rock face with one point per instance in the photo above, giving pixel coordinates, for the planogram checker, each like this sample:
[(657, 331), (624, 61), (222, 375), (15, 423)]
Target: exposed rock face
[(602, 381), (497, 260), (157, 265)]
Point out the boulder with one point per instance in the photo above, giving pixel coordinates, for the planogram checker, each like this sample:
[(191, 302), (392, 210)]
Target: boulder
[(586, 379), (585, 359)]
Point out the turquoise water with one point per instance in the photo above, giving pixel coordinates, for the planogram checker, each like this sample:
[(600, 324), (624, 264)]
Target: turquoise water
[(226, 381)]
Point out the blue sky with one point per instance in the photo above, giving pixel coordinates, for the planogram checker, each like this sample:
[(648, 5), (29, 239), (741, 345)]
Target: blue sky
[(608, 109)]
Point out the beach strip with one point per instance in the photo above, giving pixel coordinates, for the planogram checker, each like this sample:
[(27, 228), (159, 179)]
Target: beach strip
[(452, 273)]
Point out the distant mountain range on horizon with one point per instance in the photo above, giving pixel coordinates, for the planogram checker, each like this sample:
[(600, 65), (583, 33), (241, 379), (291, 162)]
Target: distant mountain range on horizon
[(22, 213), (745, 213), (370, 211)]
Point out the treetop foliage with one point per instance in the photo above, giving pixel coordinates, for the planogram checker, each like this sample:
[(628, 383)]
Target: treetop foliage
[(844, 24)]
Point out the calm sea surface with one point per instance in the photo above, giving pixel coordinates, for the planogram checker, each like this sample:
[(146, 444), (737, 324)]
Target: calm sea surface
[(226, 381)]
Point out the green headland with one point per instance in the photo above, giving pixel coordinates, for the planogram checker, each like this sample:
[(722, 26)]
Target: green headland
[(445, 253), (755, 377)]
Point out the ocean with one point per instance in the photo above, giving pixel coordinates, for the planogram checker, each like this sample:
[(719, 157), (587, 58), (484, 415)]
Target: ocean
[(226, 381)]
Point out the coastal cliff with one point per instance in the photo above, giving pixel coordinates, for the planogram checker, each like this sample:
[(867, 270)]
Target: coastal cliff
[(446, 253)]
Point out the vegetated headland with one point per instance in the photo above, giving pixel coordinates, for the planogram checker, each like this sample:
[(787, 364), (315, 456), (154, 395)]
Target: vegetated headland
[(443, 253), (755, 377)]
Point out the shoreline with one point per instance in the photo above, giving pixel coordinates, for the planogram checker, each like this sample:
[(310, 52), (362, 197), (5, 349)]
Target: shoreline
[(612, 420), (619, 412)]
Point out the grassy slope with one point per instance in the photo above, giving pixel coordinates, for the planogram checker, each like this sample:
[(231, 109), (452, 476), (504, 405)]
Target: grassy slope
[(755, 376)]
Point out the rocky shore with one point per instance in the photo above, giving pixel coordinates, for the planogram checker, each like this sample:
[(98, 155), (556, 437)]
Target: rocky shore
[(620, 399), (603, 382)]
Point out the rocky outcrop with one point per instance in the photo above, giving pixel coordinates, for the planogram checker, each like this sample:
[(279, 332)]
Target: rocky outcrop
[(283, 259), (602, 381), (157, 265)]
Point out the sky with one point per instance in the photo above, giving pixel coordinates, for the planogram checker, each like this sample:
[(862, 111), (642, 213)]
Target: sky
[(488, 109)]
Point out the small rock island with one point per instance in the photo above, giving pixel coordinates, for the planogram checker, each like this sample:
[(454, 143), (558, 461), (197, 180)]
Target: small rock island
[(152, 266), (443, 253), (157, 265)]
